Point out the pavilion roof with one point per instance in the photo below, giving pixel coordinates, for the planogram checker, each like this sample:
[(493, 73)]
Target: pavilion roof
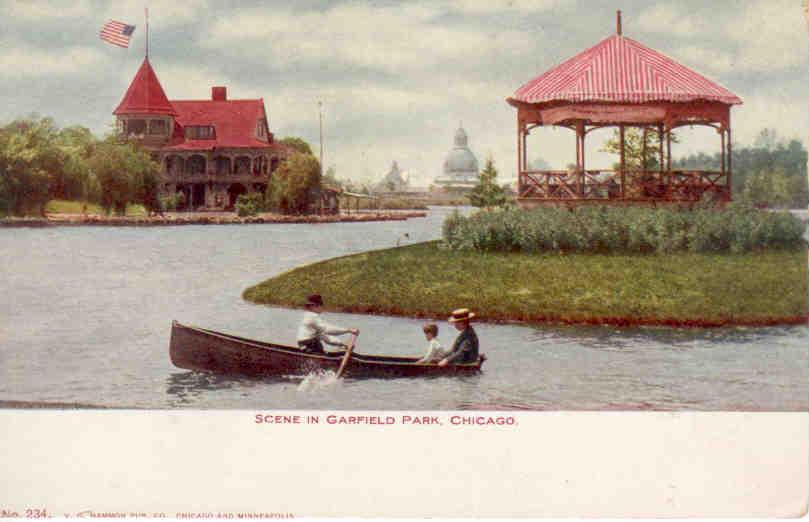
[(145, 94), (621, 70)]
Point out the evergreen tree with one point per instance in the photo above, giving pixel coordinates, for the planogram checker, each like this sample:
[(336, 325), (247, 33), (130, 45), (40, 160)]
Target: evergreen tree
[(488, 193)]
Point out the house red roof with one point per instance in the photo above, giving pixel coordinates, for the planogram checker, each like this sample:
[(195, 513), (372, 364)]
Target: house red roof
[(145, 94), (234, 123), (619, 69)]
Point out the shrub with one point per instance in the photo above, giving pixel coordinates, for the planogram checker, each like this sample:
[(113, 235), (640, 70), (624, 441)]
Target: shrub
[(172, 201), (736, 228), (249, 204), (295, 186)]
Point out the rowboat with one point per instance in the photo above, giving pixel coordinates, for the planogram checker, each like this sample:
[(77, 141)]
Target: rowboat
[(194, 348)]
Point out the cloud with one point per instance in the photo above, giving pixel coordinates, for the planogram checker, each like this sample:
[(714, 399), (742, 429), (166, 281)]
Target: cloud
[(758, 36), (501, 6), (39, 10), (771, 35), (391, 39), (162, 13), (37, 63), (705, 59), (674, 20)]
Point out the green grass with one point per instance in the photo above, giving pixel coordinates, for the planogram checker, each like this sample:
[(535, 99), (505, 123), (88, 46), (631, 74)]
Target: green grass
[(62, 206), (425, 280)]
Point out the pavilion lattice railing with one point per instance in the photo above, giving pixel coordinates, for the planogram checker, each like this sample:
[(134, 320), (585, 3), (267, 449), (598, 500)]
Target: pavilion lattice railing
[(631, 185)]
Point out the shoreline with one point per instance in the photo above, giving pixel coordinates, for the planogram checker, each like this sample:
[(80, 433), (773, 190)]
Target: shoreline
[(74, 220), (47, 405), (684, 290), (540, 319)]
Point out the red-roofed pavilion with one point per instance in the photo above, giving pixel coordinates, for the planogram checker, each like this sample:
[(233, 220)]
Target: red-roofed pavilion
[(621, 83)]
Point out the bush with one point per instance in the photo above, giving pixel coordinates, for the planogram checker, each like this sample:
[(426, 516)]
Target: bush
[(736, 228), (295, 187), (249, 204), (172, 201)]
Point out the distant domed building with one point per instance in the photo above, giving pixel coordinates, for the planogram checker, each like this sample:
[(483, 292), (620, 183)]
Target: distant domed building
[(461, 165), (394, 181)]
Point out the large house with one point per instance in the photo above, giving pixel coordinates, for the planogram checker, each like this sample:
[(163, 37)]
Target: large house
[(210, 150)]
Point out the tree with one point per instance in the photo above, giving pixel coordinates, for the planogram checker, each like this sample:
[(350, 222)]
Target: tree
[(299, 144), (767, 139), (126, 174), (487, 193), (330, 177), (296, 185), (73, 181), (28, 156), (768, 188), (634, 147), (789, 156)]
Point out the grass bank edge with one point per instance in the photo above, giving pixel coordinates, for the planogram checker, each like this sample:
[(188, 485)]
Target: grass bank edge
[(355, 289)]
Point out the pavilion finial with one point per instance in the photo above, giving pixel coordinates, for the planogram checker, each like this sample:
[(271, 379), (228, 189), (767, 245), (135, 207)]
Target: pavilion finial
[(618, 22)]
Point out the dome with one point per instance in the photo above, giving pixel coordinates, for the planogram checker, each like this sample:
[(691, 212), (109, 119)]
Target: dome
[(461, 140), (460, 160), (460, 165)]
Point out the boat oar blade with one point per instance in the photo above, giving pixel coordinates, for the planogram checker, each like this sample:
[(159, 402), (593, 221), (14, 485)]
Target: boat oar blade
[(347, 356)]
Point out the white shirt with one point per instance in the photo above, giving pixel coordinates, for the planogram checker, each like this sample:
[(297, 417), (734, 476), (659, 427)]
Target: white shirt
[(435, 352), (313, 327)]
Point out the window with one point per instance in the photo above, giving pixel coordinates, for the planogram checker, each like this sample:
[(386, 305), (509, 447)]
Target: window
[(199, 132), (136, 127), (157, 127), (261, 128)]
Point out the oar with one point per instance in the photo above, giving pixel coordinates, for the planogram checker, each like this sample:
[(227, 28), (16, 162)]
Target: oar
[(347, 356)]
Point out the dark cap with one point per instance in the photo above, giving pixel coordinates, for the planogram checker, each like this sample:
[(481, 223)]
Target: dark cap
[(314, 300)]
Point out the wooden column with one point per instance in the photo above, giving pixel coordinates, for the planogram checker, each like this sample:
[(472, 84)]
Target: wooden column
[(668, 150), (519, 157), (730, 161), (660, 143), (643, 149), (722, 135), (623, 161)]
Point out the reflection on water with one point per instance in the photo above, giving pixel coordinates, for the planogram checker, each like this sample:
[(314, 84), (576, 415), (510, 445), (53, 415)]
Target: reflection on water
[(91, 310)]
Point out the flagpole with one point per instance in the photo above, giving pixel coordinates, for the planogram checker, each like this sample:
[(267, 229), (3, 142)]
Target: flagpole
[(146, 10)]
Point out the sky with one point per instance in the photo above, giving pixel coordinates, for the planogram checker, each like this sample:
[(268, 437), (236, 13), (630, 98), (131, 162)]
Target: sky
[(397, 78)]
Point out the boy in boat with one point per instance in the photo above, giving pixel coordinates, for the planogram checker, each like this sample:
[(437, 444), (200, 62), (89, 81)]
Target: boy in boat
[(435, 352), (465, 347), (314, 331)]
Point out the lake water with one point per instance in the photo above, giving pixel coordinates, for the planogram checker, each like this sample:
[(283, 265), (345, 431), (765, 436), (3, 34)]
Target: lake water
[(85, 317)]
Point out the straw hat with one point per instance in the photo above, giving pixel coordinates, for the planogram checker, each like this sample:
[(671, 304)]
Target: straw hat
[(461, 314)]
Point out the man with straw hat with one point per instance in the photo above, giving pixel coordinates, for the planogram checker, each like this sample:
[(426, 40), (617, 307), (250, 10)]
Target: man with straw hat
[(465, 347), (313, 329)]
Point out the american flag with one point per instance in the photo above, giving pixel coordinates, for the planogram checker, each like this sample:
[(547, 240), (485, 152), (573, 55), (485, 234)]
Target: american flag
[(117, 33)]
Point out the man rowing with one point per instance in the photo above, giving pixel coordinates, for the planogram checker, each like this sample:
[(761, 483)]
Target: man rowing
[(465, 347), (314, 331)]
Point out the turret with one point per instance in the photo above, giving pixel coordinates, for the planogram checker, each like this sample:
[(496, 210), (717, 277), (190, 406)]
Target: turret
[(145, 112)]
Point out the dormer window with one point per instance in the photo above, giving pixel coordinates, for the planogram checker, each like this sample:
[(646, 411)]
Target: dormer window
[(199, 132), (261, 128)]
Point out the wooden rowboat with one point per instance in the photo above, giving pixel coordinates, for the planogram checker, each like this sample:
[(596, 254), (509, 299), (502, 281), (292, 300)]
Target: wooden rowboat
[(195, 348)]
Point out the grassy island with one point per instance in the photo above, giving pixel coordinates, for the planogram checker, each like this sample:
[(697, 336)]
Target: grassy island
[(677, 289)]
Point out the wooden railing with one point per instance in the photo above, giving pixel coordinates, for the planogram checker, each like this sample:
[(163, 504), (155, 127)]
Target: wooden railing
[(185, 177), (630, 185)]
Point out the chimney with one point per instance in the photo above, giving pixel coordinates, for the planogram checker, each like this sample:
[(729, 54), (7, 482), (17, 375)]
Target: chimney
[(219, 93), (618, 28)]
